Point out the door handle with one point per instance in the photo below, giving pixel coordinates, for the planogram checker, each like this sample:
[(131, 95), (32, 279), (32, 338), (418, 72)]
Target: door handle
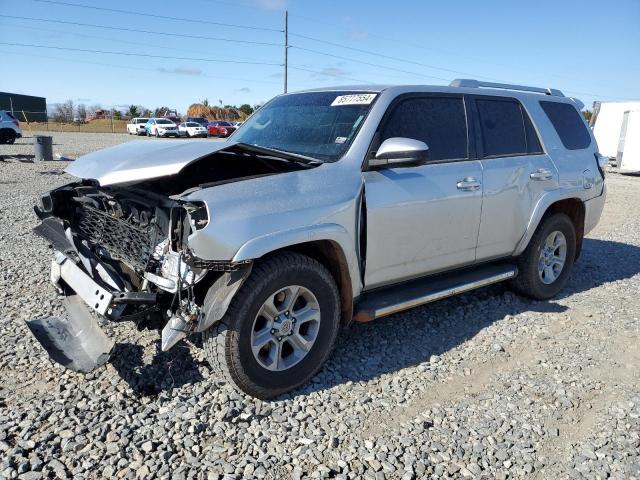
[(541, 174), (468, 184)]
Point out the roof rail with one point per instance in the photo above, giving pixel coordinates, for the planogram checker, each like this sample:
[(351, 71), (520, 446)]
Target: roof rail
[(469, 83)]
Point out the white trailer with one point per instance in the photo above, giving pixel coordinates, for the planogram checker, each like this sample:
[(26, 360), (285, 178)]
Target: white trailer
[(628, 158), (607, 123)]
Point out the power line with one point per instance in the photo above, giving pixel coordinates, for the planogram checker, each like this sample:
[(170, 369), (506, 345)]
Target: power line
[(149, 55), (377, 54), (133, 30), (126, 67), (165, 17), (368, 63), (337, 75), (111, 39)]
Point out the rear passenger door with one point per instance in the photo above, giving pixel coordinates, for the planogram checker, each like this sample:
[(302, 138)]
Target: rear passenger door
[(516, 173), (424, 218)]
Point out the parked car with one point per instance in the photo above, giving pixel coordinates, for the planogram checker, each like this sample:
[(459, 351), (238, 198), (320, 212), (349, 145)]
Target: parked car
[(9, 127), (175, 119), (326, 207), (136, 126), (161, 127), (220, 129), (192, 129), (201, 120)]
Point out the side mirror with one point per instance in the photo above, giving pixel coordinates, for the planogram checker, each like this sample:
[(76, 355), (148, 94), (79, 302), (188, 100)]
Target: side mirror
[(399, 151)]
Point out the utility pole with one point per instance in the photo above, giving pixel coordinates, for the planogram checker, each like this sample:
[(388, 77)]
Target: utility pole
[(286, 48)]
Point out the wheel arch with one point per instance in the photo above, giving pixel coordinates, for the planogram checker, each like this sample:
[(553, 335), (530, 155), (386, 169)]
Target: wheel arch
[(571, 206), (331, 245)]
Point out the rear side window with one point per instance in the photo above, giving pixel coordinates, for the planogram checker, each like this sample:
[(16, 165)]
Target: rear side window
[(440, 122), (506, 129), (568, 124)]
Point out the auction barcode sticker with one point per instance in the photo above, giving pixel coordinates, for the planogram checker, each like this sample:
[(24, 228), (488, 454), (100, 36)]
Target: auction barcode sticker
[(354, 99)]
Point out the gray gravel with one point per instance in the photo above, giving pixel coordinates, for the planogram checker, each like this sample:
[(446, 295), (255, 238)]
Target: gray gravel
[(485, 385), (71, 144)]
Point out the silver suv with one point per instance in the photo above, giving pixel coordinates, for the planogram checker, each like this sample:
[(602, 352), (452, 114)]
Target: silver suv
[(326, 207), (9, 127)]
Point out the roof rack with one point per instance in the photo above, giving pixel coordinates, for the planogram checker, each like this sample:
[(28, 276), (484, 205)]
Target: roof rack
[(469, 83)]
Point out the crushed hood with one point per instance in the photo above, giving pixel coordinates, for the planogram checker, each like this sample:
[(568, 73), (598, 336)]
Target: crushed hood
[(141, 160)]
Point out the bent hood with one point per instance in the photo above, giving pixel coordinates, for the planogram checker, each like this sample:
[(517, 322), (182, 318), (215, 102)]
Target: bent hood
[(141, 160)]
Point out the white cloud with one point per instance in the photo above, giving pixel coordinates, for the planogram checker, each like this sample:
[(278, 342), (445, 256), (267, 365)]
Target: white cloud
[(181, 70), (359, 35)]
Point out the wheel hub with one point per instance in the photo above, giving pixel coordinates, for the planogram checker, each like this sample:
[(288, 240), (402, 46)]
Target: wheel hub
[(285, 328)]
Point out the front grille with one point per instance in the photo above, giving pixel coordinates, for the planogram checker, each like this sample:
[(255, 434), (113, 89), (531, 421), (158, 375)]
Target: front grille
[(123, 240)]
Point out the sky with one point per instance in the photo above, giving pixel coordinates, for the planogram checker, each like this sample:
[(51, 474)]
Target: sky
[(588, 49)]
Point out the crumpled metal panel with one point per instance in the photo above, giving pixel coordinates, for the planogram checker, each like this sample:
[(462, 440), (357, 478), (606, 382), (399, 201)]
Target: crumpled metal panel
[(141, 160)]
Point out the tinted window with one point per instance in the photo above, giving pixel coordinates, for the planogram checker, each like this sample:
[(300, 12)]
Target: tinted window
[(502, 126), (440, 122), (533, 142), (568, 123)]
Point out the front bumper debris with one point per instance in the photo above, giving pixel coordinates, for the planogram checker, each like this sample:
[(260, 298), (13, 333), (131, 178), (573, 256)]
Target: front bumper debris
[(76, 341)]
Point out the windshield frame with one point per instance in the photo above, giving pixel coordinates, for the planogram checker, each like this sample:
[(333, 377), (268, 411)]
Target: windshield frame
[(337, 92)]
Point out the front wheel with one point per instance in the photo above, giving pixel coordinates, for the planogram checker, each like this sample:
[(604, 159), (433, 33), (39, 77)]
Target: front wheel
[(545, 265), (279, 328)]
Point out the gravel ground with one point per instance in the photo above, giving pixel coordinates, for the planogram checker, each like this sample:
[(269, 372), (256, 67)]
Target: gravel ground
[(71, 144), (484, 385)]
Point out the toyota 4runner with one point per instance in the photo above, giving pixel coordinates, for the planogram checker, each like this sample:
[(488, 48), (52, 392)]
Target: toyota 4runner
[(326, 207)]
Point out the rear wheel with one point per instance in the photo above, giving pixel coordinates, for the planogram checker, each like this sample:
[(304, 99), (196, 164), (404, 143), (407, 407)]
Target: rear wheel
[(544, 267), (279, 328), (7, 136)]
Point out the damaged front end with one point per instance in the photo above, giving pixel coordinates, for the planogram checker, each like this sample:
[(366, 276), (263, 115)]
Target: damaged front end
[(122, 254)]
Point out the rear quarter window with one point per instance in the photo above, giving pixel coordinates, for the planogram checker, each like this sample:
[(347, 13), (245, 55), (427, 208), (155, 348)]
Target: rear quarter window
[(568, 124)]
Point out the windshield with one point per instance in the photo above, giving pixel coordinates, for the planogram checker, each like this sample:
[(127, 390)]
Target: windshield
[(164, 121), (192, 124), (142, 120), (321, 125)]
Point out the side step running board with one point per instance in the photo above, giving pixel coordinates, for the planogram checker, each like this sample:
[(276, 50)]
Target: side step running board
[(389, 300)]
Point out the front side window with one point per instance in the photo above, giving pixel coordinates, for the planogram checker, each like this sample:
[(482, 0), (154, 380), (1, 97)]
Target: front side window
[(440, 122), (321, 125), (568, 124)]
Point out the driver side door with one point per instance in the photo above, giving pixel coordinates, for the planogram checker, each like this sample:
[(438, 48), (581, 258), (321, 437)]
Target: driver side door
[(423, 219)]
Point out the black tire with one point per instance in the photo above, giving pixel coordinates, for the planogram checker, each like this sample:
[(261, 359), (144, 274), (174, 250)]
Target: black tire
[(7, 136), (528, 281), (228, 343)]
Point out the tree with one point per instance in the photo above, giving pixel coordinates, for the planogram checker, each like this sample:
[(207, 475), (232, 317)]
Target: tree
[(160, 111), (146, 112), (205, 102), (117, 114), (246, 109), (64, 112), (82, 111), (133, 111), (92, 109)]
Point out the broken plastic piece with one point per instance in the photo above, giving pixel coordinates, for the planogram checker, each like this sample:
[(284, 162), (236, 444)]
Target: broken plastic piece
[(76, 342)]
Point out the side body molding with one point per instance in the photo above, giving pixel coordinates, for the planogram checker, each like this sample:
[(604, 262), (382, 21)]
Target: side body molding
[(541, 207), (257, 247)]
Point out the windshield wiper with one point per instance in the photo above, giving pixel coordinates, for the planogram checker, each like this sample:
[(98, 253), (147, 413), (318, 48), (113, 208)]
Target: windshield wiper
[(273, 152)]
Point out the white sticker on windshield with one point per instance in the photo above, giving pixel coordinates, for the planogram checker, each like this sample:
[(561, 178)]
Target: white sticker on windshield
[(354, 99)]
